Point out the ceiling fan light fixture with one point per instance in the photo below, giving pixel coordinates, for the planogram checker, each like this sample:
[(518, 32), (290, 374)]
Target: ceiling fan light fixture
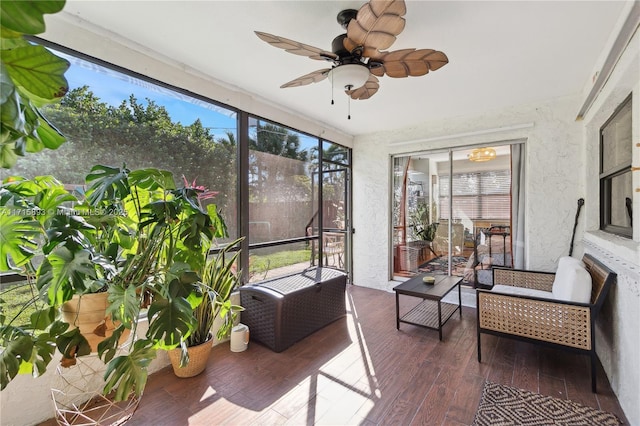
[(349, 76), (482, 154)]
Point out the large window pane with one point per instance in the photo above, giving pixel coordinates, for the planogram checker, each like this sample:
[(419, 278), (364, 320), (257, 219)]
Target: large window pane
[(616, 185), (282, 192), (115, 119), (616, 139)]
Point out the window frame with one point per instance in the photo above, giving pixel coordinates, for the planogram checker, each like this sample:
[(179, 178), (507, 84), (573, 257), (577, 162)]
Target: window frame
[(606, 177), (242, 131)]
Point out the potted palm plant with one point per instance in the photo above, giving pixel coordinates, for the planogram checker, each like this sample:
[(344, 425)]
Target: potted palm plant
[(219, 280)]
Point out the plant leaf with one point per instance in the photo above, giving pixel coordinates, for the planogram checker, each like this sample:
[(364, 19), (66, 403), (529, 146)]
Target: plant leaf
[(65, 229), (43, 318), (128, 373), (170, 321), (108, 182), (26, 16), (63, 271), (37, 71), (152, 179), (124, 304), (17, 348), (52, 198), (17, 238), (48, 135), (72, 344), (217, 222), (107, 348), (8, 156), (8, 93), (44, 348)]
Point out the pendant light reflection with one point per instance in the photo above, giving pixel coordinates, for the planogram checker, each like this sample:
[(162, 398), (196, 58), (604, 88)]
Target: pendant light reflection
[(482, 154)]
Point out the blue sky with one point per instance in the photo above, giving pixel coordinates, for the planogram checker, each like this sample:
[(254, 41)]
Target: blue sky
[(113, 87)]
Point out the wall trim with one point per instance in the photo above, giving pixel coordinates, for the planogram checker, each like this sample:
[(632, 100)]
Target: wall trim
[(466, 134), (621, 42)]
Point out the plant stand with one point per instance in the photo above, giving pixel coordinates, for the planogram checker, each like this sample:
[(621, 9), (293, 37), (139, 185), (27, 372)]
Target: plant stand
[(78, 400)]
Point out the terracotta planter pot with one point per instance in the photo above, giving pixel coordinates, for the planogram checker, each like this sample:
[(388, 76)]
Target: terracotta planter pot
[(88, 313), (198, 358)]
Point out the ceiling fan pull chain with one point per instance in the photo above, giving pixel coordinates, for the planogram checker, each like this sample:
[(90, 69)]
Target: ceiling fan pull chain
[(331, 89), (349, 87)]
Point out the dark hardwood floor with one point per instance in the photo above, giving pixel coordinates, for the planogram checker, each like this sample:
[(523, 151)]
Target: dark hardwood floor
[(361, 370)]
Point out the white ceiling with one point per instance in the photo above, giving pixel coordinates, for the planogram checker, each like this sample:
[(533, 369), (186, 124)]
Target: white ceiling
[(501, 53)]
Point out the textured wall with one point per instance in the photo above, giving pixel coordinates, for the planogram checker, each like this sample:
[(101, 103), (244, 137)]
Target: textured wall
[(554, 180), (618, 337)]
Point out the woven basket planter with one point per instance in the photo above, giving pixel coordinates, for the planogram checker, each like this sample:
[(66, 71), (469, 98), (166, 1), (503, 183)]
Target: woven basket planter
[(198, 358)]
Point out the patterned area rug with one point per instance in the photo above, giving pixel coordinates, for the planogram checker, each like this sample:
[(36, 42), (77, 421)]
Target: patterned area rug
[(440, 265), (503, 405)]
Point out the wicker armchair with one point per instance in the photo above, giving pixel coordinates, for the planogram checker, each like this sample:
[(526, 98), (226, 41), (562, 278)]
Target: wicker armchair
[(556, 323)]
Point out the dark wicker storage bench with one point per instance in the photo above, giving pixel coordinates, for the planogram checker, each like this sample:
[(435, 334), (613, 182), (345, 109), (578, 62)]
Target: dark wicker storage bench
[(284, 310)]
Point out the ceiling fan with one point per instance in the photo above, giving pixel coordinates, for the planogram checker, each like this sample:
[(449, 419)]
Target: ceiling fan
[(359, 55)]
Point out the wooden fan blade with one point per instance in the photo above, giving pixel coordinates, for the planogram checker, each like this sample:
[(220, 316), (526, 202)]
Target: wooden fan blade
[(366, 91), (409, 62), (296, 47), (312, 77), (376, 26)]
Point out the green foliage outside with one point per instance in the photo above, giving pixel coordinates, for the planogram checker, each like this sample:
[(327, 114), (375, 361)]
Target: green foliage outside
[(142, 134), (139, 135)]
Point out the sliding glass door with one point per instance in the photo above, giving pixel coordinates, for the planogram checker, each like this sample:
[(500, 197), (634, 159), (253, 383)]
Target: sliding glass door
[(452, 213)]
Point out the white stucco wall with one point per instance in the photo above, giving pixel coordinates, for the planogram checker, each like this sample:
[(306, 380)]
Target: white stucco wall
[(618, 328), (555, 158)]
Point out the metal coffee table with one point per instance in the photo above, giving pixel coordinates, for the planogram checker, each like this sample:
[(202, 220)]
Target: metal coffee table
[(432, 312)]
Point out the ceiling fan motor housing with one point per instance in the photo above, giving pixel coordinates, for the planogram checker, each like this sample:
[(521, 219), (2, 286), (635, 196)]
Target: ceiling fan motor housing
[(337, 47), (345, 16)]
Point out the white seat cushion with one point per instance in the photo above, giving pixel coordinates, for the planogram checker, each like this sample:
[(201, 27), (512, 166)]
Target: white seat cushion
[(572, 281), (521, 291)]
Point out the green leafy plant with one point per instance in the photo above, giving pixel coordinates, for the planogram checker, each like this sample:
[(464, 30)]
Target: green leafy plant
[(135, 235), (30, 77), (219, 280)]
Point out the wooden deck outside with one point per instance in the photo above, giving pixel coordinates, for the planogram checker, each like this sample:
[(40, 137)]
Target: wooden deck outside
[(361, 370)]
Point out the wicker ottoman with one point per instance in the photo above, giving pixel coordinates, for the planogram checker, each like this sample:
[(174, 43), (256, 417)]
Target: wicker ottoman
[(284, 310)]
